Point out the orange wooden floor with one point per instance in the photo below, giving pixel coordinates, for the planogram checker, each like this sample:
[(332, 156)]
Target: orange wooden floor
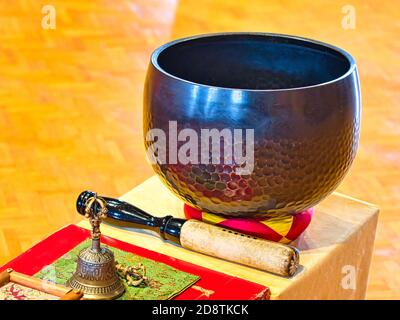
[(71, 99)]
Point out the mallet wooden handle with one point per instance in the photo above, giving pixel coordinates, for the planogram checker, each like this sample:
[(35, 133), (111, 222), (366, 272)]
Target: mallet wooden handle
[(205, 238), (64, 293), (72, 295), (237, 247), (4, 278)]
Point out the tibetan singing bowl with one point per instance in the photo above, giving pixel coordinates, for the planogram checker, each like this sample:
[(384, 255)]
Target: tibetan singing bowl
[(300, 97)]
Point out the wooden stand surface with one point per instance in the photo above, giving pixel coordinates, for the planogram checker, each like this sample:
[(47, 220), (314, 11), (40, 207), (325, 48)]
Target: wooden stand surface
[(335, 250)]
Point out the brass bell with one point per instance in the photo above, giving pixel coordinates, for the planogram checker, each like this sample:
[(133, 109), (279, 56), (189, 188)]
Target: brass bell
[(96, 274)]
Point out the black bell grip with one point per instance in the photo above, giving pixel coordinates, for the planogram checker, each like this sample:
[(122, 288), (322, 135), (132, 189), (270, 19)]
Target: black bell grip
[(124, 214)]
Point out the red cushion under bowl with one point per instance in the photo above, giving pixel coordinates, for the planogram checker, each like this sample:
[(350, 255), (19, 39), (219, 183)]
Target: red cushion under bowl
[(280, 228)]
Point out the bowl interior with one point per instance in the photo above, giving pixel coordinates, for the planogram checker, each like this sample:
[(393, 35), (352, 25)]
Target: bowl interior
[(252, 61)]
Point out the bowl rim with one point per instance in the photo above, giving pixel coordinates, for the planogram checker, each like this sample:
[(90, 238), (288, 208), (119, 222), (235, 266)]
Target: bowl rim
[(352, 64)]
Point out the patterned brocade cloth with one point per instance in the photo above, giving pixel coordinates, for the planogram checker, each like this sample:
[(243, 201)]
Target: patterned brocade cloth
[(13, 291), (165, 281)]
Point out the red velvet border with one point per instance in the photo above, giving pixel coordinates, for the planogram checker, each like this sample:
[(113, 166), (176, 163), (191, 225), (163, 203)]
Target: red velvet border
[(224, 286)]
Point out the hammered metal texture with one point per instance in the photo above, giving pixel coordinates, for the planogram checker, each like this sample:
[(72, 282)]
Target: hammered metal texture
[(305, 141)]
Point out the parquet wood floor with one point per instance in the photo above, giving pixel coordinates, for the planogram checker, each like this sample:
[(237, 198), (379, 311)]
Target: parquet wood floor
[(71, 99)]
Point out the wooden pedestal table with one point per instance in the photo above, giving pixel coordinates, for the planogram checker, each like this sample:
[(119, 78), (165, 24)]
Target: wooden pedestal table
[(335, 250)]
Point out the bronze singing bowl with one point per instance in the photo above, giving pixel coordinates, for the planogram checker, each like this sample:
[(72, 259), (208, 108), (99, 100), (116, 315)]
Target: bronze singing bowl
[(301, 97)]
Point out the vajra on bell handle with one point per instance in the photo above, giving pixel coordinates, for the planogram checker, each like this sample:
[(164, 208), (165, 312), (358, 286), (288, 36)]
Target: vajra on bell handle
[(95, 217)]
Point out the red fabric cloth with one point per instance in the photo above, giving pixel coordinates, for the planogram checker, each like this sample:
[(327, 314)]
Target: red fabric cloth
[(282, 228)]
